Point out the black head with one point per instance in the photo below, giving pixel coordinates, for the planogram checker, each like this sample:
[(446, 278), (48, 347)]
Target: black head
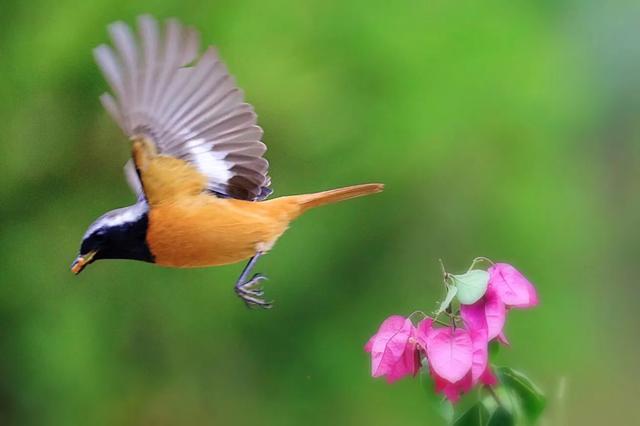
[(119, 234)]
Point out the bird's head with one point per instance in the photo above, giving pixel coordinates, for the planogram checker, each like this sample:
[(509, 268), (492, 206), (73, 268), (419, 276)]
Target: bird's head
[(119, 234)]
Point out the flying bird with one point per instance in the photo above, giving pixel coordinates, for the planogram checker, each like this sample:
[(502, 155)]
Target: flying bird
[(197, 163)]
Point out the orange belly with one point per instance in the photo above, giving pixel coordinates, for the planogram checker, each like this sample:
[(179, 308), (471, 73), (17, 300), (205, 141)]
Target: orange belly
[(208, 231)]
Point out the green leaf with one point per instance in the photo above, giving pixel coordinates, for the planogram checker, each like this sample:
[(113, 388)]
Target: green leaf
[(503, 398), (501, 417), (471, 285), (451, 293), (443, 407), (477, 415), (532, 399)]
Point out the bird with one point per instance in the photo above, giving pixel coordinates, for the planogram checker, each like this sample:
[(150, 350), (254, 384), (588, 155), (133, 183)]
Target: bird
[(197, 163)]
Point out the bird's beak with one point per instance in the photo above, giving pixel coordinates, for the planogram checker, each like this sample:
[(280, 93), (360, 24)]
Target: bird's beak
[(81, 261)]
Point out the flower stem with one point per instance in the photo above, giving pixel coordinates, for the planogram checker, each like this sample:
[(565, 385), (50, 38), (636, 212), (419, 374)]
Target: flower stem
[(452, 317), (478, 260), (445, 274), (414, 313), (439, 321), (494, 395)]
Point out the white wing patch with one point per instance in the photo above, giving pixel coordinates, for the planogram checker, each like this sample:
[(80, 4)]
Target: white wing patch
[(210, 163)]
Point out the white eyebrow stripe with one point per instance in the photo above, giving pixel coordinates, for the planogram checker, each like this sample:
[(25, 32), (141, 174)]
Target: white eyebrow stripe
[(117, 217)]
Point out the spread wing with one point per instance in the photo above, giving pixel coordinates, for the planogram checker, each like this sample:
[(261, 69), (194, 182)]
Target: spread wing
[(189, 106), (131, 174)]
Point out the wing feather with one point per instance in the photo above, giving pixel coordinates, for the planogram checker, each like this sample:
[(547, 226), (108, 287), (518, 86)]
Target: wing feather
[(111, 106), (131, 174), (190, 107)]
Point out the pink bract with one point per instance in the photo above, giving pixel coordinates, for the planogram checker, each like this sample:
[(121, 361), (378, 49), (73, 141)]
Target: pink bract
[(512, 287), (488, 313), (408, 365), (422, 332), (450, 390), (394, 322), (480, 358), (488, 377), (450, 353), (503, 339), (479, 371), (393, 351)]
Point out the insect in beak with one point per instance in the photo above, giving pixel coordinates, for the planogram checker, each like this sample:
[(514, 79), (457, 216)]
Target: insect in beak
[(81, 261)]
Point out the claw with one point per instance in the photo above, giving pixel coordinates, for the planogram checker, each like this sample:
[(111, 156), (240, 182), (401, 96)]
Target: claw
[(254, 282), (256, 293), (253, 301), (251, 292)]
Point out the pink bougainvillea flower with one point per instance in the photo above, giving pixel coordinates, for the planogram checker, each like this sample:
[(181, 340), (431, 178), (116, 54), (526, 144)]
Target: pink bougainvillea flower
[(477, 372), (503, 339), (488, 313), (450, 353), (465, 356), (408, 365), (507, 288), (452, 391), (422, 332), (488, 377), (480, 357), (512, 287), (393, 349), (480, 369)]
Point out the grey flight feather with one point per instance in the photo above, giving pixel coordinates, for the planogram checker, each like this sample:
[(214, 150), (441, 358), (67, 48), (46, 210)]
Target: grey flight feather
[(190, 107), (131, 174)]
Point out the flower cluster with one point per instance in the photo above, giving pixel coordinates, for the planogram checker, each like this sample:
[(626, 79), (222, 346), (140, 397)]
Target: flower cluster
[(455, 352)]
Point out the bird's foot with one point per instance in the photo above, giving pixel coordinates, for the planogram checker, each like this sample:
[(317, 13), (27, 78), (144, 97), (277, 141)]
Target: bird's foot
[(251, 292)]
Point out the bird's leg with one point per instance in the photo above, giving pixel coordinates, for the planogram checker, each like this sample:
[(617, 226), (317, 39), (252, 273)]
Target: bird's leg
[(249, 289)]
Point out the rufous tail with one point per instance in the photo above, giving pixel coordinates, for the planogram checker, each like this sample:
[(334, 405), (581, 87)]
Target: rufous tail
[(318, 199)]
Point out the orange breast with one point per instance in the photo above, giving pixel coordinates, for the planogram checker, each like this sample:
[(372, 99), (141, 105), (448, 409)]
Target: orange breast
[(208, 231)]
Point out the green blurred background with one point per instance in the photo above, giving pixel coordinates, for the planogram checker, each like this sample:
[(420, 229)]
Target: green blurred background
[(507, 129)]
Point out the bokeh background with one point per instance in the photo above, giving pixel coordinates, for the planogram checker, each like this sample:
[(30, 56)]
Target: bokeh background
[(508, 129)]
